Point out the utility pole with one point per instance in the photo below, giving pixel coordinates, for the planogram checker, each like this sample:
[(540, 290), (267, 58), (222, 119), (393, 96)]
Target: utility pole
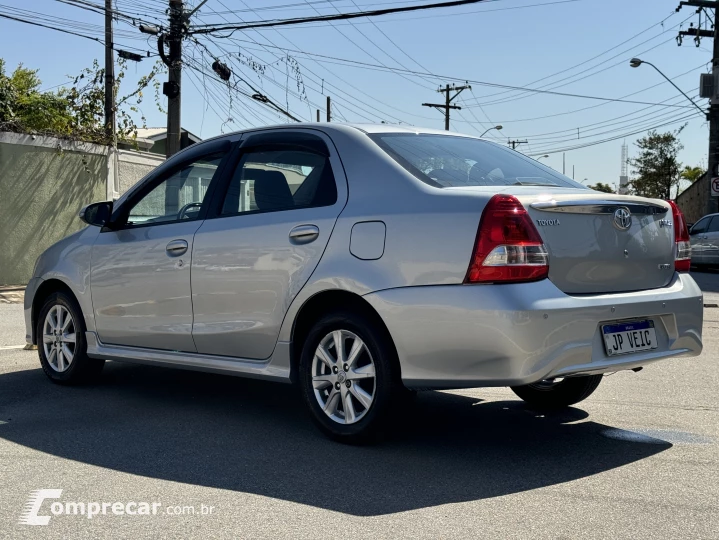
[(329, 107), (172, 88), (111, 183), (710, 8), (712, 206), (564, 163), (515, 142), (109, 75), (447, 106)]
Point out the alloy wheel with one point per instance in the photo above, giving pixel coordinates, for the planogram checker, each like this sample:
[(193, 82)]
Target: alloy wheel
[(343, 377), (58, 338)]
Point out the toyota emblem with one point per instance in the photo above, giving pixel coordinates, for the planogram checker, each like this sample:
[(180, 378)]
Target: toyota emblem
[(622, 218)]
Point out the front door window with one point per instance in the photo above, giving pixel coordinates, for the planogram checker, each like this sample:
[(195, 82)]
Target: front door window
[(179, 197)]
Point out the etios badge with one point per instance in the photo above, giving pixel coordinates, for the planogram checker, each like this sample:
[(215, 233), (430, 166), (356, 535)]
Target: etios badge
[(622, 218)]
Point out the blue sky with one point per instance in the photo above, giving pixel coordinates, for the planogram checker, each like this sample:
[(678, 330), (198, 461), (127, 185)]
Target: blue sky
[(535, 43)]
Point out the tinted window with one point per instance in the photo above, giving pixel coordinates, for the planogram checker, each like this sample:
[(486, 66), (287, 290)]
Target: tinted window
[(280, 180), (178, 196), (714, 225), (701, 226), (447, 161)]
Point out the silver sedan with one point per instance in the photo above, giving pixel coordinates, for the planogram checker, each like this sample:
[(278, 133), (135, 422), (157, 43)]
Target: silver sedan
[(704, 237), (364, 263)]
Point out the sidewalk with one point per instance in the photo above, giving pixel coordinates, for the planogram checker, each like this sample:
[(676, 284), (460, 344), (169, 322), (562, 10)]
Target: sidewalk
[(12, 294)]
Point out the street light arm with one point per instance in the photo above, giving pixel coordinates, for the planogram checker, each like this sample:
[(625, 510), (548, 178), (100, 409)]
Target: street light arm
[(675, 86), (490, 129)]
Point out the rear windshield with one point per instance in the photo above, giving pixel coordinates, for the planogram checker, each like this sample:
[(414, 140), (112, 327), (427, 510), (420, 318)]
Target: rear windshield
[(451, 161)]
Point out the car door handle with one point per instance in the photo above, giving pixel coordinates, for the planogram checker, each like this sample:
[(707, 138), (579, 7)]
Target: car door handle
[(304, 234), (176, 248)]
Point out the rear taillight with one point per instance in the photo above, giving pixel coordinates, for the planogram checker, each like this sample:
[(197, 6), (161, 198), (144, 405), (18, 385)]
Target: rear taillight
[(508, 247), (683, 256)]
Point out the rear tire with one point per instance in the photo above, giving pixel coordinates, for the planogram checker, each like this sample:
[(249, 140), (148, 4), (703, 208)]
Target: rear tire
[(557, 395), (61, 343), (352, 394)]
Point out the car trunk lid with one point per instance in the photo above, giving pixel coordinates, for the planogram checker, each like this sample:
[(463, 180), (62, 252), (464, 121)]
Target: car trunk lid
[(604, 243)]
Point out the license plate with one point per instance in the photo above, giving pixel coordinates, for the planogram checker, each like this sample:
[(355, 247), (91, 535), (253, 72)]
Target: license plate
[(630, 337)]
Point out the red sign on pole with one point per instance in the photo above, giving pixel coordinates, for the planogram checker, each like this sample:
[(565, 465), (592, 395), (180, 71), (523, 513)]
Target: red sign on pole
[(715, 187)]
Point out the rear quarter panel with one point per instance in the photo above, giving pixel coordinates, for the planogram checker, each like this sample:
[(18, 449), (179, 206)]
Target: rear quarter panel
[(430, 232)]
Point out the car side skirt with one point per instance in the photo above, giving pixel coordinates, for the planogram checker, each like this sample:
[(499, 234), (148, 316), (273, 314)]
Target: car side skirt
[(277, 368)]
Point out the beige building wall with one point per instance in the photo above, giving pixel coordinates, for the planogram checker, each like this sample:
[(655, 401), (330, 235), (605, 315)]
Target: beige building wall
[(134, 166), (44, 182)]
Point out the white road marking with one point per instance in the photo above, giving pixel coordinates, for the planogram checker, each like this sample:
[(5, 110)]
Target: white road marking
[(12, 347)]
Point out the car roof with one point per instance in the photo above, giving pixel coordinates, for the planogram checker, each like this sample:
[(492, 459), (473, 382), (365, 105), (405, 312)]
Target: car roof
[(342, 126)]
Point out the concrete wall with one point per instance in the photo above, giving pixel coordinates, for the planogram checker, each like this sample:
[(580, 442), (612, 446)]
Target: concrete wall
[(44, 182), (693, 200)]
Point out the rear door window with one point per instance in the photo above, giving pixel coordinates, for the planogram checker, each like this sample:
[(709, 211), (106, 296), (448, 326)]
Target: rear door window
[(701, 226), (276, 180)]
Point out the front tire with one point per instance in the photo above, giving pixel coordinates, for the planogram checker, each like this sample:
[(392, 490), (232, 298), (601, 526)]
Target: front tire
[(61, 342), (553, 394), (348, 376)]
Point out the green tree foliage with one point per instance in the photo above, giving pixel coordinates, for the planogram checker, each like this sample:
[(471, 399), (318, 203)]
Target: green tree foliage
[(76, 112), (657, 168), (599, 186), (692, 174)]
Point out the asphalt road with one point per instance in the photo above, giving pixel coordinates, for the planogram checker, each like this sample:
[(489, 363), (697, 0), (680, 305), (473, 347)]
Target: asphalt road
[(638, 459)]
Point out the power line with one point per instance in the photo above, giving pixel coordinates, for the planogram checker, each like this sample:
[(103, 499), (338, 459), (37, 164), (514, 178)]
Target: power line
[(364, 106), (573, 111), (556, 84), (301, 6), (239, 66), (400, 49), (630, 117), (337, 17), (690, 117), (592, 58), (377, 67), (56, 29), (257, 95), (367, 52), (97, 8), (459, 14), (30, 16), (644, 124)]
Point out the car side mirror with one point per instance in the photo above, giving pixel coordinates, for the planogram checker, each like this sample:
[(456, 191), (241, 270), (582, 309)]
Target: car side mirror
[(96, 214)]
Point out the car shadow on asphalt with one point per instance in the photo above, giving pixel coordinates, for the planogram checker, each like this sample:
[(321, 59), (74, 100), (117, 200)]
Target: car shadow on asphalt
[(255, 437), (706, 278)]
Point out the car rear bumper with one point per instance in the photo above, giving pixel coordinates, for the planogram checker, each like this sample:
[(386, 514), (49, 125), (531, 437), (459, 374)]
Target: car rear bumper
[(464, 336)]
